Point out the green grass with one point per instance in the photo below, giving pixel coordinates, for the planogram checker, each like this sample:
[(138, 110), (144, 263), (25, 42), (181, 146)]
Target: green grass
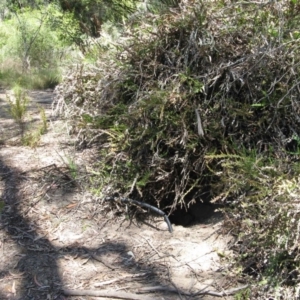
[(38, 80), (31, 139), (17, 109), (17, 106)]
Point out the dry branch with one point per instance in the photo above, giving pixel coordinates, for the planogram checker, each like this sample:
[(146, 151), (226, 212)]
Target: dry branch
[(106, 294), (125, 277), (201, 293), (131, 296)]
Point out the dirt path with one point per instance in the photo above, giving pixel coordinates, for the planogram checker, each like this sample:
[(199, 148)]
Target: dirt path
[(56, 238)]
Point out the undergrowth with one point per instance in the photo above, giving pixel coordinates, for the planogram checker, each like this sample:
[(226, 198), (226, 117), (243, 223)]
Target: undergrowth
[(17, 107), (18, 103), (33, 136), (30, 50), (201, 103)]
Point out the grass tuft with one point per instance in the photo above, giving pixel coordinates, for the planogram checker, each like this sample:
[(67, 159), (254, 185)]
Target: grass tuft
[(18, 105)]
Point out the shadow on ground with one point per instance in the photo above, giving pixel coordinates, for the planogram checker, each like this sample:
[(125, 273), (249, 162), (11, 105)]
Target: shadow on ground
[(36, 257)]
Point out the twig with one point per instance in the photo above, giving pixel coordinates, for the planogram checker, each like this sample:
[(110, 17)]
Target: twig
[(133, 184), (174, 285), (223, 293), (199, 123), (149, 243), (102, 261), (40, 197), (162, 289), (202, 293), (106, 294), (125, 277), (39, 169)]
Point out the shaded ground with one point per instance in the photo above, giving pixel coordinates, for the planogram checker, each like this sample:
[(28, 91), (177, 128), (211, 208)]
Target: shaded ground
[(57, 238)]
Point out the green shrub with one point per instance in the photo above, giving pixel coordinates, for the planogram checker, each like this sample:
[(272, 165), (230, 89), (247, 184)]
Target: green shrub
[(17, 106), (32, 138), (263, 213), (237, 65), (30, 52)]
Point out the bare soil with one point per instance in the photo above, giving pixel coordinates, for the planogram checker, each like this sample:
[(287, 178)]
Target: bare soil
[(59, 241)]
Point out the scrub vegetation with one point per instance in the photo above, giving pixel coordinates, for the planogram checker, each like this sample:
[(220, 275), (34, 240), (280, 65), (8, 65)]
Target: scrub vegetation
[(192, 101)]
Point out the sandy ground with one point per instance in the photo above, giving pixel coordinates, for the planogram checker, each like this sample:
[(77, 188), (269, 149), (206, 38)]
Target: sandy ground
[(59, 241)]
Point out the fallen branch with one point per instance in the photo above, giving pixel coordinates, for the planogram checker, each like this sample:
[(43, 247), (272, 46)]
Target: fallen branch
[(106, 294), (131, 296), (223, 293), (125, 277), (201, 293), (102, 261)]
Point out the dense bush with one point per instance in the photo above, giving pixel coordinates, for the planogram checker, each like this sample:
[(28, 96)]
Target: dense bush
[(201, 103)]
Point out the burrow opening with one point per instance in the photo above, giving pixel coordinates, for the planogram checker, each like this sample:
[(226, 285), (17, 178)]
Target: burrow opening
[(198, 213)]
